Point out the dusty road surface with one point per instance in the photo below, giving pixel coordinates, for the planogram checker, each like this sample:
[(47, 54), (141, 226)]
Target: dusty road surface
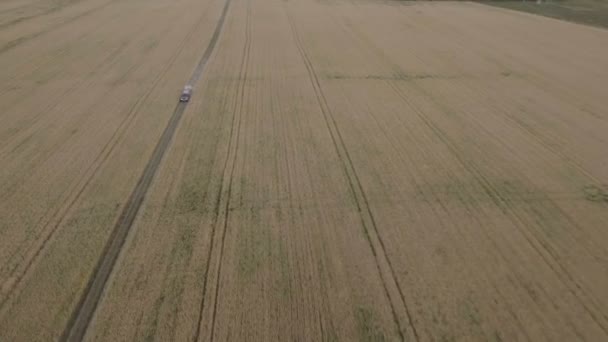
[(345, 170)]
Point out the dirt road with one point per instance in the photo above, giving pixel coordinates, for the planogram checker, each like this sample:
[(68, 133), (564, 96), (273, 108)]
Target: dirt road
[(345, 170)]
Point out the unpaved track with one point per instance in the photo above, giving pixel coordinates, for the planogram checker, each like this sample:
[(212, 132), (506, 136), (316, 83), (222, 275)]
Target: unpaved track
[(65, 165), (346, 170), (82, 314)]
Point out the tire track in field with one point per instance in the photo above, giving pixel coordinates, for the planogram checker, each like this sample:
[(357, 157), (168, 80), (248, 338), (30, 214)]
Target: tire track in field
[(544, 139), (66, 50), (35, 15), (504, 204), (222, 211), (76, 327), (26, 128), (462, 197), (26, 131), (545, 250), (548, 254), (44, 220), (537, 136), (58, 54), (390, 282), (538, 79), (542, 80), (99, 162), (91, 172), (58, 215), (552, 253), (18, 41)]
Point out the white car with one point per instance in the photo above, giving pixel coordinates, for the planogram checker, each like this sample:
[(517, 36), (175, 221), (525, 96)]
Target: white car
[(186, 93)]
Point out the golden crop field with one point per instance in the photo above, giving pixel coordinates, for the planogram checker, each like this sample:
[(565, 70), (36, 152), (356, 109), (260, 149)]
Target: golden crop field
[(353, 170)]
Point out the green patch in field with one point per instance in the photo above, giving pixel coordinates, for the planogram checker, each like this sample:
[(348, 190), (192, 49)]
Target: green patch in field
[(596, 193), (254, 246), (259, 249), (471, 314), (190, 199), (396, 76), (474, 190), (367, 326), (184, 242), (445, 337), (150, 45), (152, 326), (284, 282)]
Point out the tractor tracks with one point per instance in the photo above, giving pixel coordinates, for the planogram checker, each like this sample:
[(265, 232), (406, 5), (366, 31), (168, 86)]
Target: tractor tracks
[(385, 268), (52, 224), (76, 327), (543, 249), (18, 41), (222, 211)]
